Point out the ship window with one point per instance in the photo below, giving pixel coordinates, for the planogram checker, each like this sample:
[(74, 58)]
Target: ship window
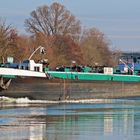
[(36, 68), (27, 68), (22, 67)]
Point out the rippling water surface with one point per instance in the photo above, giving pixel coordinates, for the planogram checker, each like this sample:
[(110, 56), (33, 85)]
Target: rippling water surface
[(100, 120)]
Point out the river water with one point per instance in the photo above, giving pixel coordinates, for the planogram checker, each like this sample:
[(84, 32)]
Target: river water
[(116, 119)]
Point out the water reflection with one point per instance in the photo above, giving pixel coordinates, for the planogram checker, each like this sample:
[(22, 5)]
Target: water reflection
[(95, 124), (71, 122)]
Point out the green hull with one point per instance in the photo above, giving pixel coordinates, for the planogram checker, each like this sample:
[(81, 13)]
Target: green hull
[(8, 76), (94, 76)]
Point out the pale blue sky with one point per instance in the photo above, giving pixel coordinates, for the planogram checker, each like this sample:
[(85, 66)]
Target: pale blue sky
[(119, 20)]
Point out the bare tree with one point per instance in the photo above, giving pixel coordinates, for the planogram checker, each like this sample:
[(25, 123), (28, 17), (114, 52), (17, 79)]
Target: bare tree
[(5, 32), (7, 38), (63, 51), (95, 48), (53, 20)]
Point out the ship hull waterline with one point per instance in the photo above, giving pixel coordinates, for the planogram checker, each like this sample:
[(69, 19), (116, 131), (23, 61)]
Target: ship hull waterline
[(61, 89)]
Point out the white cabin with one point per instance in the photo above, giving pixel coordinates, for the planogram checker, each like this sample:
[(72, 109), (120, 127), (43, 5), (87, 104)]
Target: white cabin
[(31, 65)]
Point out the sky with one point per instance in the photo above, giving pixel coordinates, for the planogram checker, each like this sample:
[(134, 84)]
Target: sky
[(119, 20)]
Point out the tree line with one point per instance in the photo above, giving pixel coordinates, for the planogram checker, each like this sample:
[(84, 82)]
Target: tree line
[(60, 33)]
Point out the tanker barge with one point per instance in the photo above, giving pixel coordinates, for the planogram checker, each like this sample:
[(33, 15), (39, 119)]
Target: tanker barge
[(37, 83)]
